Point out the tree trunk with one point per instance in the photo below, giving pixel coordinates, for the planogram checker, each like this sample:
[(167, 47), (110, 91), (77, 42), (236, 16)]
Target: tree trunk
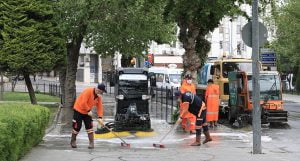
[(188, 35), (2, 87), (70, 86), (13, 85), (30, 89), (62, 80)]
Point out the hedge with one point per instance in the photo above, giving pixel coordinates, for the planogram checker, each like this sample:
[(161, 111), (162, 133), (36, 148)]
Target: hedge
[(22, 126)]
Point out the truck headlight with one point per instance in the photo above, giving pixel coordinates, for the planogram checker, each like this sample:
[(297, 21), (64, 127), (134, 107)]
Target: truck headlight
[(223, 103), (120, 97), (145, 97)]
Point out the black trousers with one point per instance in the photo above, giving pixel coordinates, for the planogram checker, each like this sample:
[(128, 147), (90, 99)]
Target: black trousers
[(201, 123), (77, 121)]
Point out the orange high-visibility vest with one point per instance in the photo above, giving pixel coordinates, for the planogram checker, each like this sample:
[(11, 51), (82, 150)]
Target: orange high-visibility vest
[(86, 100), (185, 87), (212, 102)]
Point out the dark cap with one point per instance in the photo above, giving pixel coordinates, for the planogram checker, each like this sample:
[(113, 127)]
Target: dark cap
[(188, 76), (101, 87)]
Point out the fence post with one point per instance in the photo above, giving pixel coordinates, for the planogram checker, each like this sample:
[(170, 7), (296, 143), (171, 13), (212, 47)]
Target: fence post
[(44, 88), (167, 97), (161, 102), (172, 103), (156, 101)]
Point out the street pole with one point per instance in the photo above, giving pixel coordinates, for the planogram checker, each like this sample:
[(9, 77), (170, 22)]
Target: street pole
[(256, 112)]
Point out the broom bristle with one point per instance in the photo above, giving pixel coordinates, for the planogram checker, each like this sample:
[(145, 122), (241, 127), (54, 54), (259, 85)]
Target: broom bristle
[(159, 145), (125, 145)]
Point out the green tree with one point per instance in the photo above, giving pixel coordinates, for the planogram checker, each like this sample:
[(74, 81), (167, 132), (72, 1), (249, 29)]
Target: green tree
[(125, 26), (196, 19), (287, 38), (31, 41)]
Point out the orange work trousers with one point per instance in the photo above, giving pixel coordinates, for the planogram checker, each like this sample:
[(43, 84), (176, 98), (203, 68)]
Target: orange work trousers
[(191, 119)]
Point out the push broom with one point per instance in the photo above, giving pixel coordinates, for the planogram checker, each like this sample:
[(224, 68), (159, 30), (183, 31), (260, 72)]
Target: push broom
[(123, 143), (159, 144)]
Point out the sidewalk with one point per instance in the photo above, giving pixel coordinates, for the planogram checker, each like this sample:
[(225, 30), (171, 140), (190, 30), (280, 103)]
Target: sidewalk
[(227, 145), (291, 98)]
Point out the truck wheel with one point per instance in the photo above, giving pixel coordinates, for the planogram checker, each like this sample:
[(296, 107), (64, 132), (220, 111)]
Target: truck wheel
[(231, 118)]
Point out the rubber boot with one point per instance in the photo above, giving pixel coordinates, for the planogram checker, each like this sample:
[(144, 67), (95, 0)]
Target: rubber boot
[(91, 139), (197, 141), (73, 141), (207, 137)]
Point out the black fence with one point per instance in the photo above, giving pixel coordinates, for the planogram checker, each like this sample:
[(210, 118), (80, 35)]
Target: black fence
[(47, 87), (164, 105)]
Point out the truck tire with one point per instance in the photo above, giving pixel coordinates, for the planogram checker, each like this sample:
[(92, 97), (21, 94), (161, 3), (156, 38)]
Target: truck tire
[(231, 115)]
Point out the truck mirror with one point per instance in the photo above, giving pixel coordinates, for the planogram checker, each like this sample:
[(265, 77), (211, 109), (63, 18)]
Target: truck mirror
[(212, 70)]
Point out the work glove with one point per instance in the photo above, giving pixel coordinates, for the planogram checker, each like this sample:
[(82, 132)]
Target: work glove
[(90, 113), (179, 120), (101, 122)]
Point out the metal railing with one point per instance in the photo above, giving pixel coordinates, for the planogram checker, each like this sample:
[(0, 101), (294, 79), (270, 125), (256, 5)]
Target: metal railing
[(46, 87), (163, 103)]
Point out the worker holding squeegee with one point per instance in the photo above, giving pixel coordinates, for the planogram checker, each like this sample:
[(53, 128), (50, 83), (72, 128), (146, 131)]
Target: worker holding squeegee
[(194, 104), (83, 112)]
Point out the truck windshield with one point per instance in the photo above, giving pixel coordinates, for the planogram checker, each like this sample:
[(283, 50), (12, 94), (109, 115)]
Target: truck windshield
[(236, 66), (175, 78), (269, 87), (131, 85)]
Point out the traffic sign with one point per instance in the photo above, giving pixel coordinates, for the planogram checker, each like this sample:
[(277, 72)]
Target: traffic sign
[(247, 34), (268, 57)]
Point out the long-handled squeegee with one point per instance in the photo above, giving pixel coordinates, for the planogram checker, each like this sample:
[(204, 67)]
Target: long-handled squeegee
[(159, 145), (123, 143)]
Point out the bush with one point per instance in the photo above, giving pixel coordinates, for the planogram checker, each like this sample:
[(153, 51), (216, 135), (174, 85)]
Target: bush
[(22, 126)]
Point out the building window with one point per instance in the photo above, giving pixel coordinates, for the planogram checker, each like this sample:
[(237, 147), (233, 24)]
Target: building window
[(238, 29), (221, 44), (221, 29), (238, 48)]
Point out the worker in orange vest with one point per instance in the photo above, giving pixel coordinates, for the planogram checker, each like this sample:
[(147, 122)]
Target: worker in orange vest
[(83, 112), (212, 103), (188, 86)]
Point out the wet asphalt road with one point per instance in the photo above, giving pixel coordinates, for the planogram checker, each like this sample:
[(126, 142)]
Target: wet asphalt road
[(278, 143)]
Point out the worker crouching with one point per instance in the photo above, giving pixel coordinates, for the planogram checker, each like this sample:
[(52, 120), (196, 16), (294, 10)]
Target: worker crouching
[(187, 86), (194, 104)]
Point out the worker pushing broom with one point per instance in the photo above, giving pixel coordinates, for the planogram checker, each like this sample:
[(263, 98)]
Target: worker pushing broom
[(83, 113), (196, 106)]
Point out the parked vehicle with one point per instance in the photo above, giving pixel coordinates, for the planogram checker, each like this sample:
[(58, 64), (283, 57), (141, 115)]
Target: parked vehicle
[(167, 78), (218, 71), (240, 97), (132, 100)]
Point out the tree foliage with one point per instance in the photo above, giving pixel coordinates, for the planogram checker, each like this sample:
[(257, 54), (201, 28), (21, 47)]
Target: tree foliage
[(287, 38), (196, 19), (129, 26), (125, 26), (31, 41)]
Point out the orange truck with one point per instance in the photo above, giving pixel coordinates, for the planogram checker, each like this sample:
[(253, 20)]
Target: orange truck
[(240, 98)]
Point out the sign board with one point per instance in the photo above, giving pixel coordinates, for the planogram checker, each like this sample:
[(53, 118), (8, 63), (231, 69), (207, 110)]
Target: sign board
[(268, 57), (247, 34)]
